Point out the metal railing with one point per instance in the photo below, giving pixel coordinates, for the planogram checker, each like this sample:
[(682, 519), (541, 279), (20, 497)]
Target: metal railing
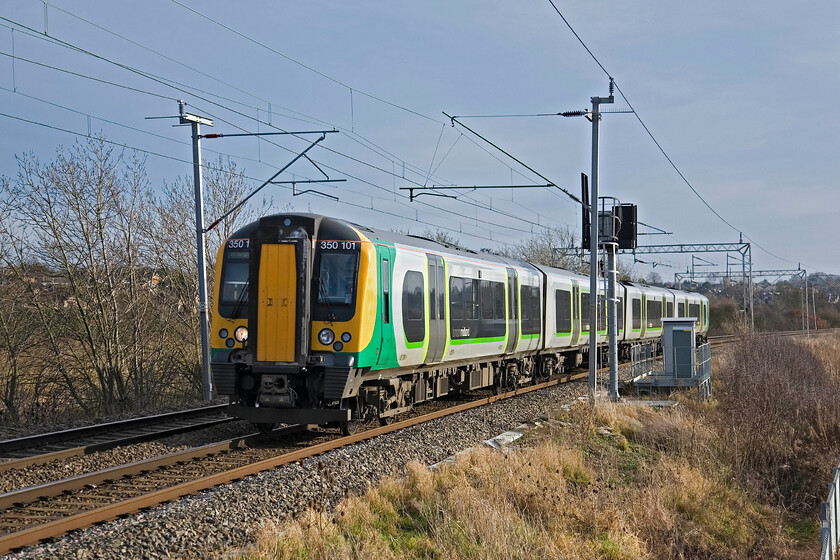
[(829, 513), (643, 360), (704, 360)]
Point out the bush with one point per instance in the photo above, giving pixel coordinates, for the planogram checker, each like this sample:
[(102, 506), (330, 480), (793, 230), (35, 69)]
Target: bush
[(779, 420)]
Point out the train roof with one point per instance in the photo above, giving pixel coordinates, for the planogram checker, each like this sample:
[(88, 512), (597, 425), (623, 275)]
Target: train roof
[(438, 246)]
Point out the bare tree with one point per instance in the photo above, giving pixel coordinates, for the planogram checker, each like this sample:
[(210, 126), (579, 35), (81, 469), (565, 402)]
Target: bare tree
[(441, 236), (556, 247), (98, 297), (72, 225), (174, 251)]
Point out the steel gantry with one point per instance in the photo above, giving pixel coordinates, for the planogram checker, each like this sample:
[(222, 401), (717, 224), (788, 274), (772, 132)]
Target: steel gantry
[(723, 275), (744, 249)]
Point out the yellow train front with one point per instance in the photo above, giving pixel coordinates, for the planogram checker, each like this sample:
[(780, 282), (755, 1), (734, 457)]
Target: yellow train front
[(308, 283)]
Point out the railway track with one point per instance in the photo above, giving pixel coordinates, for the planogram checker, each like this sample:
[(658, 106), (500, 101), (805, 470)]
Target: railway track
[(42, 448), (51, 510), (727, 339)]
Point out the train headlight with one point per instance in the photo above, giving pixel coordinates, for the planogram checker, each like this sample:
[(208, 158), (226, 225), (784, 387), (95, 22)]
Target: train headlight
[(241, 334), (338, 347), (326, 337), (345, 337), (223, 333)]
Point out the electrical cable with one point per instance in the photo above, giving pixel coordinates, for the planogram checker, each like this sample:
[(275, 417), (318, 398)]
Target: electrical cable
[(168, 83), (173, 158), (303, 65), (656, 142), (514, 158), (143, 91)]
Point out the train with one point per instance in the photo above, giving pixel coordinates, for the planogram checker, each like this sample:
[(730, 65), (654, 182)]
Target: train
[(317, 320)]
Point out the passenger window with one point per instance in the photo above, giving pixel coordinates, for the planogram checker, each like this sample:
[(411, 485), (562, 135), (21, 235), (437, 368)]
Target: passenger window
[(584, 311), (563, 311), (637, 313), (386, 292), (414, 320)]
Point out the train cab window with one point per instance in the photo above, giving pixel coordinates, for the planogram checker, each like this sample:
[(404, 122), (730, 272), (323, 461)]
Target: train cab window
[(233, 295), (336, 285), (337, 278), (563, 308), (531, 309), (414, 319), (386, 292), (670, 309)]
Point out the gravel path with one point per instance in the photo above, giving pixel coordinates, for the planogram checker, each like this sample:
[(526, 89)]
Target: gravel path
[(216, 521)]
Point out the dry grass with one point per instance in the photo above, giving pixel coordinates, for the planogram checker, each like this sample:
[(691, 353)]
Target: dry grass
[(778, 418), (726, 480)]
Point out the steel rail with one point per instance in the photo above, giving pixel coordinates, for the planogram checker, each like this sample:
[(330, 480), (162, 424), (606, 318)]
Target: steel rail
[(82, 520), (87, 431), (44, 458), (56, 488), (109, 512)]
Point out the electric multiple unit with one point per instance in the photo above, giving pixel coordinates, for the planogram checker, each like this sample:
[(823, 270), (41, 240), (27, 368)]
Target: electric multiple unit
[(318, 320)]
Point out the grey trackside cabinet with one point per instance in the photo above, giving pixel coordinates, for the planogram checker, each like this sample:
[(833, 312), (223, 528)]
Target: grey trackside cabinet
[(679, 347)]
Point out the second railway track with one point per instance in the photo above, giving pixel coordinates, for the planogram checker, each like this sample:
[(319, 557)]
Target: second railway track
[(50, 510), (42, 448), (53, 509)]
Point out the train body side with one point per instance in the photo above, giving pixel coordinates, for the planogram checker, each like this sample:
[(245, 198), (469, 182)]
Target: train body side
[(318, 320)]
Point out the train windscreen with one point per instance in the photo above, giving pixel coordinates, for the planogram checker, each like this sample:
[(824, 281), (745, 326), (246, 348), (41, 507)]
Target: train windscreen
[(233, 294)]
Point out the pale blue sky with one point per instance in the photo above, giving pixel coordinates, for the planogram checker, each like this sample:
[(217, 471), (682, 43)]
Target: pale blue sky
[(740, 95)]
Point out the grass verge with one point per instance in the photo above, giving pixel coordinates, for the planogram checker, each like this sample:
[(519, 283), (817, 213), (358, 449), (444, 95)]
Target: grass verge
[(739, 477)]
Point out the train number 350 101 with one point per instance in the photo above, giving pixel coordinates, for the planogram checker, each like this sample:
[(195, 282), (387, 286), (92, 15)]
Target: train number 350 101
[(336, 245)]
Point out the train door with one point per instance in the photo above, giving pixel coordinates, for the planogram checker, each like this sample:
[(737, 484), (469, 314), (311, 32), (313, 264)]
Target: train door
[(575, 312), (280, 331), (437, 319), (386, 264), (644, 315), (513, 311)]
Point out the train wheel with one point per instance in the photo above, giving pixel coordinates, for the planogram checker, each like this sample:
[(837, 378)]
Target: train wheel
[(349, 427), (386, 420)]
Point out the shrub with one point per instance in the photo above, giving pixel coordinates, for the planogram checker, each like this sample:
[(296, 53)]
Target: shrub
[(779, 419)]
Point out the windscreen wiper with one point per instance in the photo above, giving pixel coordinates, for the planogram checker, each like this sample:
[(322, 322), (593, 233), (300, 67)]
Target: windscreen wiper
[(243, 295)]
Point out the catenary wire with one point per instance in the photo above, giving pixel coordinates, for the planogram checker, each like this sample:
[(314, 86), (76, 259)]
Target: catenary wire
[(303, 65), (656, 142), (168, 83), (173, 158)]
